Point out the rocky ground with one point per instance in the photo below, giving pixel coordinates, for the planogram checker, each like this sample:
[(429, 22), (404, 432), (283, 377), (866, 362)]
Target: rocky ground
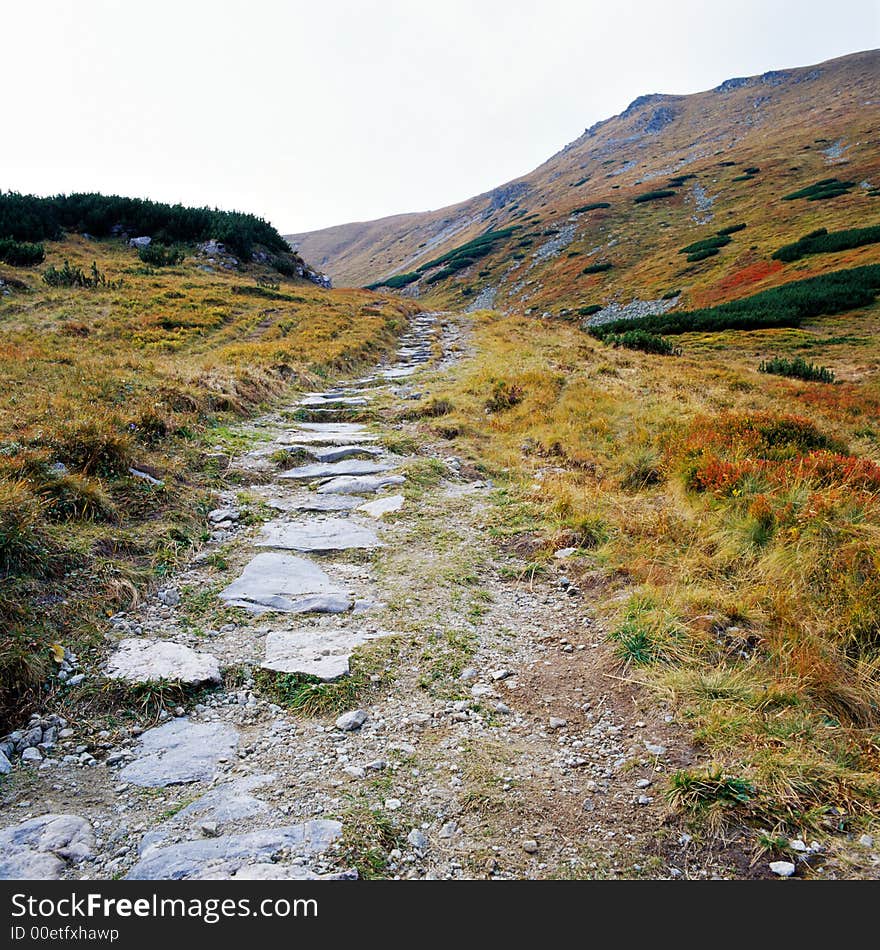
[(467, 719)]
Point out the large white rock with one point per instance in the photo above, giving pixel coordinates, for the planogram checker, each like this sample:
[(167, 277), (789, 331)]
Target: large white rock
[(336, 453), (282, 582), (41, 848), (324, 534), (359, 484), (382, 506), (322, 653), (142, 661), (179, 752)]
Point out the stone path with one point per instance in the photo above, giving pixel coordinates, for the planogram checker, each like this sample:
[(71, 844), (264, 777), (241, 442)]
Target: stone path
[(474, 715)]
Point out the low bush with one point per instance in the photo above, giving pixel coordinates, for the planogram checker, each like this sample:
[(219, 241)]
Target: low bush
[(654, 196), (69, 276), (732, 229), (640, 340), (701, 255), (21, 253), (825, 242), (797, 368), (822, 190), (593, 206), (597, 268), (589, 310), (707, 244), (158, 255), (395, 282), (785, 306)]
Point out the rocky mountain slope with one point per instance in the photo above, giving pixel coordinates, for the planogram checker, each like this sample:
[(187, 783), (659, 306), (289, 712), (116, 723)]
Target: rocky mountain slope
[(718, 159)]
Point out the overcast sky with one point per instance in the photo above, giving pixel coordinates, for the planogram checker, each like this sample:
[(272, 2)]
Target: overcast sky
[(312, 114)]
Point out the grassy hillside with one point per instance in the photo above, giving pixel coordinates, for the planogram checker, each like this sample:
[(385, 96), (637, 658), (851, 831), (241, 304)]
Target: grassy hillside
[(140, 371), (706, 163), (726, 528)]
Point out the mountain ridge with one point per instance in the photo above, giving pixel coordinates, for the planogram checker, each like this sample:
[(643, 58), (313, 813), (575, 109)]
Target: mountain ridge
[(764, 119)]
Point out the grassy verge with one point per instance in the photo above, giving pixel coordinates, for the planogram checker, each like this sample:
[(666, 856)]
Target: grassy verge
[(735, 517), (142, 373)]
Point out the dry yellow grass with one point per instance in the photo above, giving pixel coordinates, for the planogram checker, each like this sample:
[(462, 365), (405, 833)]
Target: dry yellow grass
[(145, 373), (754, 608)]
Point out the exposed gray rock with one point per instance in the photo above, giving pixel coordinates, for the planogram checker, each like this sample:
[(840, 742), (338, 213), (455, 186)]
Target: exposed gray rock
[(225, 855), (350, 721), (338, 453), (782, 868), (322, 653), (382, 506), (334, 469), (40, 848), (178, 752), (359, 484), (326, 534), (144, 241), (143, 661), (285, 583), (5, 764)]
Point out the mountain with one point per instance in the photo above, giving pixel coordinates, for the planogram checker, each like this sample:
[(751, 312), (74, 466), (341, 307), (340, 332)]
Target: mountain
[(584, 230)]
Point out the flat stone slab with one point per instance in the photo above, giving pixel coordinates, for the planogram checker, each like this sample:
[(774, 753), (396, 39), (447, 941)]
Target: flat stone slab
[(311, 502), (321, 653), (282, 582), (382, 506), (295, 439), (142, 661), (359, 484), (334, 469), (226, 854), (40, 849), (337, 453), (320, 399), (179, 752), (317, 534), (399, 373), (334, 428), (222, 805)]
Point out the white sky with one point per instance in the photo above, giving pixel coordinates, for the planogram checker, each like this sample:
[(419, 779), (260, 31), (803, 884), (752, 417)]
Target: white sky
[(312, 114)]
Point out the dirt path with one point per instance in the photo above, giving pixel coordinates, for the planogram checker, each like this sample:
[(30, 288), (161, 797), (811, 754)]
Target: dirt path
[(481, 731)]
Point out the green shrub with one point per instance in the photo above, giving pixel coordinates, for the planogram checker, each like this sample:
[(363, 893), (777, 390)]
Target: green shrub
[(470, 251), (597, 268), (69, 276), (395, 282), (594, 206), (671, 294), (654, 195), (707, 244), (589, 310), (29, 218), (702, 255), (785, 306), (21, 253), (679, 180), (822, 190), (797, 368), (732, 229), (157, 255), (640, 340), (823, 242)]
